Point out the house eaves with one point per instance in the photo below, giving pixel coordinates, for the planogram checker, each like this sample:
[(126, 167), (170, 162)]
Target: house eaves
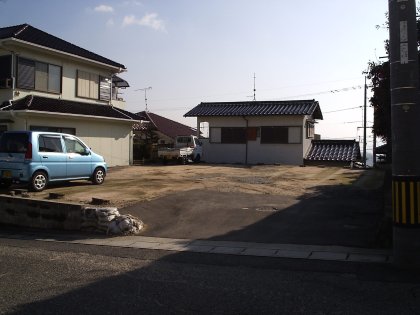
[(38, 104), (26, 34)]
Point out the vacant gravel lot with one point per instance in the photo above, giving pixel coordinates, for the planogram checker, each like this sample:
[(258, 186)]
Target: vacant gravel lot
[(126, 186)]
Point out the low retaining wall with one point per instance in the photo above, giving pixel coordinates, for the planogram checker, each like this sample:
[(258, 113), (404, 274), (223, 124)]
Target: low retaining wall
[(40, 213)]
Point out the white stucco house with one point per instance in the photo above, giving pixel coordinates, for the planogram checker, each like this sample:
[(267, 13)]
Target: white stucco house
[(49, 84), (254, 132)]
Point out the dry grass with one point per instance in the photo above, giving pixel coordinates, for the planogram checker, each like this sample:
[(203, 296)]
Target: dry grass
[(128, 185)]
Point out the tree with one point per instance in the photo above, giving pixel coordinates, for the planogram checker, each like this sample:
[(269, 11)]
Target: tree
[(379, 75)]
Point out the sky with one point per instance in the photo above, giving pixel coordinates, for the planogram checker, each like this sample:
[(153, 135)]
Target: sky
[(193, 51)]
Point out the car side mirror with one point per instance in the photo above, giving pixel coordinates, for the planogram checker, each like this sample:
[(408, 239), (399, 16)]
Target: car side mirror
[(86, 152)]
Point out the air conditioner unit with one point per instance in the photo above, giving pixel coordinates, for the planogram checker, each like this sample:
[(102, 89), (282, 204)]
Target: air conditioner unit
[(6, 83)]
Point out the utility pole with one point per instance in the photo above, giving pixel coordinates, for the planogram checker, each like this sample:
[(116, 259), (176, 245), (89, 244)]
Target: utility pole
[(145, 95), (364, 126), (405, 113)]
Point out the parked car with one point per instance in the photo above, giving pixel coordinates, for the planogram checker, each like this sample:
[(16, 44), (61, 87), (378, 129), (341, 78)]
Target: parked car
[(37, 158), (186, 149)]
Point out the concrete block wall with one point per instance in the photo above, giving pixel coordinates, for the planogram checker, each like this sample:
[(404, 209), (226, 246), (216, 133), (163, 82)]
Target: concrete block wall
[(44, 214)]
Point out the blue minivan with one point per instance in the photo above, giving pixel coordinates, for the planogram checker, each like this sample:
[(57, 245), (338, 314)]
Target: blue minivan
[(37, 158)]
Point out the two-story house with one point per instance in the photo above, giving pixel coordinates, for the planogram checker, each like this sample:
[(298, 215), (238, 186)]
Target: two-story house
[(49, 84)]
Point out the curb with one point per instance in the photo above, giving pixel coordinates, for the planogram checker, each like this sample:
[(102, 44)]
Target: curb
[(292, 251)]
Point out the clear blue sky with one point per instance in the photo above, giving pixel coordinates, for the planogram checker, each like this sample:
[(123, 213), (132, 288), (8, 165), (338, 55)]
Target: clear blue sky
[(193, 51)]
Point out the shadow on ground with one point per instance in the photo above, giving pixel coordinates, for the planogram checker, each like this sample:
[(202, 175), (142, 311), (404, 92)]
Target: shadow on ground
[(177, 284)]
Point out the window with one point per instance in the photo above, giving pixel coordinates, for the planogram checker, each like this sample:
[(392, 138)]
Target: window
[(26, 74), (39, 76), (50, 144), (233, 135), (215, 135), (87, 84), (104, 89), (74, 146), (14, 143), (5, 70), (71, 131), (274, 134), (310, 129), (280, 135)]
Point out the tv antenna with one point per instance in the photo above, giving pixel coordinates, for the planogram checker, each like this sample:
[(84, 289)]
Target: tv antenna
[(254, 88), (145, 95)]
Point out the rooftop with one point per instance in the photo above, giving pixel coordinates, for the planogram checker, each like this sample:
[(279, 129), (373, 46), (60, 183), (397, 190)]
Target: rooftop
[(30, 34), (257, 108), (51, 105), (334, 150), (166, 126)]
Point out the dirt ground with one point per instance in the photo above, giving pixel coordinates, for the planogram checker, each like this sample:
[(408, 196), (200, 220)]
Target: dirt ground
[(125, 186)]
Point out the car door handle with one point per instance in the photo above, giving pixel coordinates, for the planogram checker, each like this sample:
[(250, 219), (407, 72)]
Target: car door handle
[(70, 157), (45, 157)]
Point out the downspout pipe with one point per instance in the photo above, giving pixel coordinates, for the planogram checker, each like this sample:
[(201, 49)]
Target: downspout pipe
[(246, 140)]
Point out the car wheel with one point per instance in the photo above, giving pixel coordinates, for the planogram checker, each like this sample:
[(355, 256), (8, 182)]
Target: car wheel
[(98, 176), (39, 181)]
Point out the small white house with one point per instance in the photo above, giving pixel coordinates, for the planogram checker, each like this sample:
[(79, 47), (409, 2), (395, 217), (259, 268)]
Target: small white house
[(254, 132), (49, 84)]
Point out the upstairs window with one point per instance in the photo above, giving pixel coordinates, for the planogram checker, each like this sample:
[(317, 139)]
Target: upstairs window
[(5, 71), (91, 85), (39, 76), (87, 84)]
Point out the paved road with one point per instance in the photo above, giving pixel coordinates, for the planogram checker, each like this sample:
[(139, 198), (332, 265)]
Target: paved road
[(54, 278), (334, 215)]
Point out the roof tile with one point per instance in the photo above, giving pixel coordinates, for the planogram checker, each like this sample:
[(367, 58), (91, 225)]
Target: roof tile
[(51, 105), (257, 108), (30, 34), (334, 150)]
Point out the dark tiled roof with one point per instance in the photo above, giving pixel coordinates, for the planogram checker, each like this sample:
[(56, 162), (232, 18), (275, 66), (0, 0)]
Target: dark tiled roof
[(166, 126), (256, 108), (334, 150), (51, 105), (30, 34)]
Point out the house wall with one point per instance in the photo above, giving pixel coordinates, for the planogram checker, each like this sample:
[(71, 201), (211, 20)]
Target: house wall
[(257, 152), (69, 74), (109, 138)]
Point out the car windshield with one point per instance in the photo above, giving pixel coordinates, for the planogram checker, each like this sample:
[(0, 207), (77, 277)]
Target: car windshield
[(14, 142)]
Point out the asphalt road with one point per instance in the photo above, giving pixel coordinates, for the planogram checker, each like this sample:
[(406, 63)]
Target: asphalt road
[(333, 215), (52, 278)]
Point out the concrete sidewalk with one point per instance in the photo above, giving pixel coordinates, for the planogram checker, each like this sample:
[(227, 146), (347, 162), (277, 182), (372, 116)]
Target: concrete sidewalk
[(315, 252)]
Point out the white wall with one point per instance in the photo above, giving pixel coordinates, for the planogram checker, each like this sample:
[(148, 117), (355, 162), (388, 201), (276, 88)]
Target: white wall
[(257, 153), (69, 73), (109, 138)]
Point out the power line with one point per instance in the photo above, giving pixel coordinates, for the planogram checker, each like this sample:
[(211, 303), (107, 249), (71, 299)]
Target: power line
[(343, 109), (346, 89)]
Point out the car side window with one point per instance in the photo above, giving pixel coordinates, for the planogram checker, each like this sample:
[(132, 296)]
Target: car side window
[(50, 144), (74, 146)]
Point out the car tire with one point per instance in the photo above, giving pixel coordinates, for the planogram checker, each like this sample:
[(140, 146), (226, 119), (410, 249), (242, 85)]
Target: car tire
[(39, 181), (98, 176)]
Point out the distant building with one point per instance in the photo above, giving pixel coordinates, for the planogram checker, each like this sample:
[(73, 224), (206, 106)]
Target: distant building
[(253, 132), (154, 132)]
